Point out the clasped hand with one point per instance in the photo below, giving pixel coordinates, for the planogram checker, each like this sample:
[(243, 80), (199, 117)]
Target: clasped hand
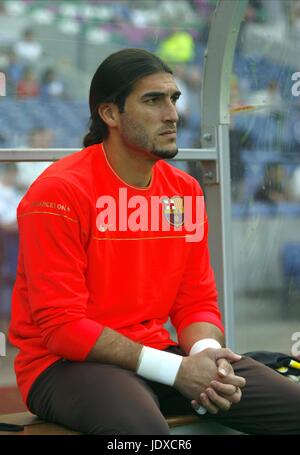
[(208, 379)]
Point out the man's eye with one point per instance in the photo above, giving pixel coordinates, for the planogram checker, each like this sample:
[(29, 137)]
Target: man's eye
[(151, 100)]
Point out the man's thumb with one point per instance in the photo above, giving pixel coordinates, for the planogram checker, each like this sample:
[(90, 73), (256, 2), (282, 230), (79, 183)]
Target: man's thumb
[(226, 353)]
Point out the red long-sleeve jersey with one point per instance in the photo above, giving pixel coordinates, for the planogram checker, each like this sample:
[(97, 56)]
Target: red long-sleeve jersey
[(92, 254)]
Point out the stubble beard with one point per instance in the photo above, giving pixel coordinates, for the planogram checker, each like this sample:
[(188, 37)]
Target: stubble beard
[(164, 154), (136, 136)]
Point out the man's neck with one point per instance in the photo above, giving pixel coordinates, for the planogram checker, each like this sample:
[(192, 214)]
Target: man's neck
[(133, 168)]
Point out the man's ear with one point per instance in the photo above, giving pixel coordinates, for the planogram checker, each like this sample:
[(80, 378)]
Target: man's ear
[(108, 113)]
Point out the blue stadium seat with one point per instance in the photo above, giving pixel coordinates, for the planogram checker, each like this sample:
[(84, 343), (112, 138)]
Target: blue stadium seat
[(262, 209), (290, 255), (290, 265), (239, 210), (67, 119)]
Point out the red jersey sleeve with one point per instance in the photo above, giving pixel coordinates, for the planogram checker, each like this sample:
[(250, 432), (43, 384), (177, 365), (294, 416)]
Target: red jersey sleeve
[(196, 300), (52, 247)]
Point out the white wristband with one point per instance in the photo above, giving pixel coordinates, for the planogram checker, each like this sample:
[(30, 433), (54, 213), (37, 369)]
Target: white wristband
[(159, 366), (204, 344), (198, 347)]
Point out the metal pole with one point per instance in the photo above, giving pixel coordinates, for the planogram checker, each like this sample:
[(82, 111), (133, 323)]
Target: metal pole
[(53, 154), (215, 133)]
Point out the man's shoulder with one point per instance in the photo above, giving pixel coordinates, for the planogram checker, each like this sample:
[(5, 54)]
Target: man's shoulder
[(176, 175), (70, 163), (73, 169), (69, 175)]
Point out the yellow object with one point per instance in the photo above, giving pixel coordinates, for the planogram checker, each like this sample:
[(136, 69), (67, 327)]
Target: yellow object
[(282, 369), (295, 364), (178, 47)]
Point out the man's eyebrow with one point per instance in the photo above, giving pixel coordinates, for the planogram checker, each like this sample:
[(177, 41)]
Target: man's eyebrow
[(177, 93)]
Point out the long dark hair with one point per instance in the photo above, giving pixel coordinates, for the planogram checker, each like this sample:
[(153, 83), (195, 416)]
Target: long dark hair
[(114, 80)]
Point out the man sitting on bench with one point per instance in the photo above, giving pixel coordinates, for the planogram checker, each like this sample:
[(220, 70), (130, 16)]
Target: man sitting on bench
[(113, 242)]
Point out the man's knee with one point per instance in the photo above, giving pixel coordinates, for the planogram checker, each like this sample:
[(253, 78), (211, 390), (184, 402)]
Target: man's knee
[(134, 424)]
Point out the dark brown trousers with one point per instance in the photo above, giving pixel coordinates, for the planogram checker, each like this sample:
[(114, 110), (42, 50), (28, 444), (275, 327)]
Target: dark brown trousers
[(94, 398)]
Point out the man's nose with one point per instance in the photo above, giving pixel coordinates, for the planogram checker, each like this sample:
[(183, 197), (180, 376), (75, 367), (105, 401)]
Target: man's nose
[(170, 113)]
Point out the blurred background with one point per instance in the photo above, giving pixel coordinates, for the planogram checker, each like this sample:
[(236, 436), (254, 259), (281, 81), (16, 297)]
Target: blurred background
[(49, 51)]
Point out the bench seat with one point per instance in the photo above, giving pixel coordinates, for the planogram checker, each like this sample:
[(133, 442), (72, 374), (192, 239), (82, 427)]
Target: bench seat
[(34, 426)]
